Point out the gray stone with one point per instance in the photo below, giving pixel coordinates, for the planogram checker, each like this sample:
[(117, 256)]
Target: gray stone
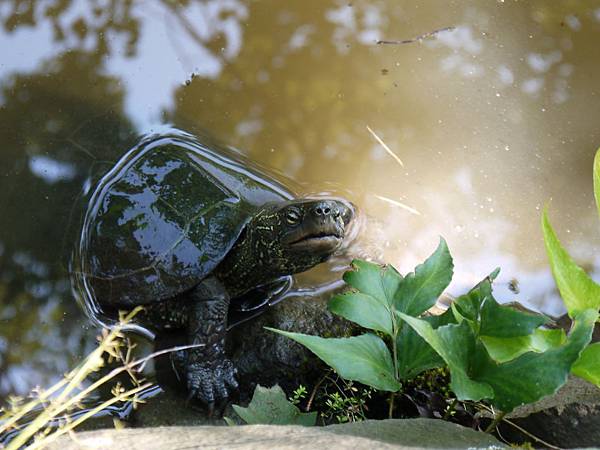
[(570, 418), (386, 434)]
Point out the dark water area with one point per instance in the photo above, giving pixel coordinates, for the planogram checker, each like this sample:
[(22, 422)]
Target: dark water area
[(491, 120)]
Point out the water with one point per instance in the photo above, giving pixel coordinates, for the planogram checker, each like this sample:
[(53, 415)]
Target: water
[(491, 121)]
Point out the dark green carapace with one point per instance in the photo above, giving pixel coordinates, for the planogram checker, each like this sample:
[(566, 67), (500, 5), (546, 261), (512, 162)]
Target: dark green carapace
[(191, 232)]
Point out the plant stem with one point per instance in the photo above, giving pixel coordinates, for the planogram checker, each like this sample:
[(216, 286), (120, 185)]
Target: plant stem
[(391, 410), (497, 419)]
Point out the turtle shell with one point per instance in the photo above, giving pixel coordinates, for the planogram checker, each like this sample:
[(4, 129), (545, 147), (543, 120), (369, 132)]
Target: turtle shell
[(164, 217)]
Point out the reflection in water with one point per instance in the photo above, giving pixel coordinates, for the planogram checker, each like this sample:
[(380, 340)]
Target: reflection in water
[(491, 120)]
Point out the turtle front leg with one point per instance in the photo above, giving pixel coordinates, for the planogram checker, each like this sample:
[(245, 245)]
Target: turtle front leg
[(210, 374)]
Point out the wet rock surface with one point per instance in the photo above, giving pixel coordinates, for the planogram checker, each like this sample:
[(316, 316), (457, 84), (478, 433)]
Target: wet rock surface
[(261, 356), (409, 433)]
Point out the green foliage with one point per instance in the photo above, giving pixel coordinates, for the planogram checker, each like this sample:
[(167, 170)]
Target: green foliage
[(270, 406), (361, 358), (578, 290), (298, 395), (588, 365), (346, 408), (494, 352)]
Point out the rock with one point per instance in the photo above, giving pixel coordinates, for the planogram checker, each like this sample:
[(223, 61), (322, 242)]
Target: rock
[(261, 356), (386, 434), (570, 418), (267, 358)]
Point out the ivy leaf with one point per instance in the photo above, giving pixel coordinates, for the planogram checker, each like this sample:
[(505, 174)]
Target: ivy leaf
[(364, 358), (270, 406), (380, 282), (419, 290), (455, 343), (468, 306), (414, 354), (532, 376), (588, 364), (507, 349), (578, 290), (364, 310), (505, 322)]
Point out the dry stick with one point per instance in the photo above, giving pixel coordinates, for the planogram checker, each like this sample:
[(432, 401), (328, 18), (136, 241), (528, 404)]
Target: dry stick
[(417, 38), (522, 430), (528, 434), (314, 391), (497, 419)]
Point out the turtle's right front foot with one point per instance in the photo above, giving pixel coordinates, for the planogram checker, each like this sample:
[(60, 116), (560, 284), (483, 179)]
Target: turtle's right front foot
[(211, 381)]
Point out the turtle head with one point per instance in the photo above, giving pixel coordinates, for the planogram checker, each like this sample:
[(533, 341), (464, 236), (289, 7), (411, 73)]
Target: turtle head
[(297, 235)]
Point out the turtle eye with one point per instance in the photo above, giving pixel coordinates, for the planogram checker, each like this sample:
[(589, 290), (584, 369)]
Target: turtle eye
[(292, 216)]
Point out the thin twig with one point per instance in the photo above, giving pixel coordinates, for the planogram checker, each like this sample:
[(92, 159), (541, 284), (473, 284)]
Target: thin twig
[(399, 204), (521, 429), (314, 391), (417, 38), (528, 434), (385, 147)]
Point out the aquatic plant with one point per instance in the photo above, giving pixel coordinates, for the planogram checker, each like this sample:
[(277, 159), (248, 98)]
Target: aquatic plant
[(495, 353)]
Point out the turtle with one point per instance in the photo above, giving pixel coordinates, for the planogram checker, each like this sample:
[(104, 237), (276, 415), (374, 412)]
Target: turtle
[(190, 231)]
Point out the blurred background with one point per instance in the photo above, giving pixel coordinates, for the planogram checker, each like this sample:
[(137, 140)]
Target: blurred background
[(492, 120)]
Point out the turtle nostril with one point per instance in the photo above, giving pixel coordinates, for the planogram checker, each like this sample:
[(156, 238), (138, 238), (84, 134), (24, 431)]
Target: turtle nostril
[(323, 209)]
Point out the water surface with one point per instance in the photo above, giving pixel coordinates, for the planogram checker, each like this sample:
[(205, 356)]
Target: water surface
[(491, 121)]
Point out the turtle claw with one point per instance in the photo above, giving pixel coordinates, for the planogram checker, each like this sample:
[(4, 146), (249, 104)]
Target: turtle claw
[(211, 381)]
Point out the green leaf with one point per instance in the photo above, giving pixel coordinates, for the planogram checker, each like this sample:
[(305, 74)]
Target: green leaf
[(588, 364), (468, 306), (505, 322), (455, 343), (365, 358), (270, 406), (414, 354), (507, 349), (365, 310), (420, 289), (577, 289), (532, 376), (380, 282), (597, 180)]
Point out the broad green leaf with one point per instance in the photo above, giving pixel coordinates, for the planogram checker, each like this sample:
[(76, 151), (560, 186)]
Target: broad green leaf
[(597, 180), (364, 310), (270, 406), (380, 282), (455, 343), (468, 306), (588, 364), (577, 289), (505, 322), (414, 354), (507, 349), (419, 290), (532, 376), (365, 358)]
